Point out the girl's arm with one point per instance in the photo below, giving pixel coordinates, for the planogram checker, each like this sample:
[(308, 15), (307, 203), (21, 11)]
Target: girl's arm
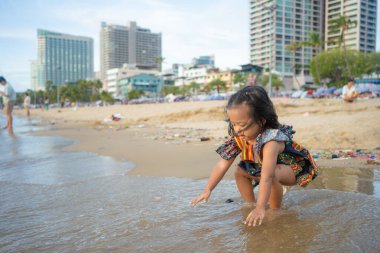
[(270, 152), (217, 174)]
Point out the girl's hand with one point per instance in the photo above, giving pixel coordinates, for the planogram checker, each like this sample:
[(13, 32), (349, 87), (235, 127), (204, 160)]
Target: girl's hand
[(203, 196), (255, 217)]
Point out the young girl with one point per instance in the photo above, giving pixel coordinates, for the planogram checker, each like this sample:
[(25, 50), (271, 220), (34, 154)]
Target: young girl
[(268, 154)]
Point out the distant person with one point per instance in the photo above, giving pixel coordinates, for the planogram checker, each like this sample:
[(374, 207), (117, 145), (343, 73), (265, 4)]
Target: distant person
[(27, 104), (41, 104), (46, 103), (9, 98), (268, 154), (62, 103), (349, 93)]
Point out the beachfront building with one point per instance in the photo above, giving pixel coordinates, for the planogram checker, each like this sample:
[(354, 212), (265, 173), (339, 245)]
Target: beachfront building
[(206, 61), (150, 84), (226, 76), (63, 58), (360, 36), (129, 44), (195, 74), (276, 23), (169, 78), (115, 75)]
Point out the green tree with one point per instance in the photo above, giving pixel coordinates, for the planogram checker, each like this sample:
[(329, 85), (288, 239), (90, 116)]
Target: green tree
[(330, 64), (341, 25), (135, 93), (185, 90), (316, 42), (240, 79), (276, 81), (106, 97), (294, 47), (159, 61), (72, 92), (374, 59), (170, 89), (50, 91), (218, 84), (194, 87)]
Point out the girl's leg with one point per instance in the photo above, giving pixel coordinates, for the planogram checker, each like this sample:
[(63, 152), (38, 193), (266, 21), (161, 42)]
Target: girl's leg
[(244, 185), (284, 175)]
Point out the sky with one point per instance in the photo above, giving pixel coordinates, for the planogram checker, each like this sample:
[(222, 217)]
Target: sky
[(190, 28)]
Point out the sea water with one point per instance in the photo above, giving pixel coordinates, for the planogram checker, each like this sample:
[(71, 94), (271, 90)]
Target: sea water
[(56, 201)]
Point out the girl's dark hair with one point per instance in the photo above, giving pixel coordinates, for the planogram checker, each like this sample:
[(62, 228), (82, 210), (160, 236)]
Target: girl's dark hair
[(261, 107)]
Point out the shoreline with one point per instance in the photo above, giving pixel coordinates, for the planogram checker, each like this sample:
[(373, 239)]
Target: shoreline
[(165, 139)]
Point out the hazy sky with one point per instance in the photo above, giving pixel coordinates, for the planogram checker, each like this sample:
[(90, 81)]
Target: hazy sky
[(189, 28)]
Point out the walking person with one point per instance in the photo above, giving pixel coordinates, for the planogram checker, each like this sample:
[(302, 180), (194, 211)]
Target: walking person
[(27, 104), (9, 98), (46, 103)]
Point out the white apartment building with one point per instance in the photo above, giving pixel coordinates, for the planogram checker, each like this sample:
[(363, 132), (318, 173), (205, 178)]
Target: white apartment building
[(276, 23), (360, 36), (195, 74)]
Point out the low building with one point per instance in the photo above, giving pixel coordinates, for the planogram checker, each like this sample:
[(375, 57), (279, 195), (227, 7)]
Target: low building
[(128, 70), (226, 76), (150, 84), (195, 74)]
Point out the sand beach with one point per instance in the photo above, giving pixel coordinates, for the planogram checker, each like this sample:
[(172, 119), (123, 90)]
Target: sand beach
[(178, 139)]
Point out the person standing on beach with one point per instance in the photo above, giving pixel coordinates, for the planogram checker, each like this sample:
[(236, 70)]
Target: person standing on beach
[(27, 104), (269, 156), (9, 98), (46, 103), (349, 93)]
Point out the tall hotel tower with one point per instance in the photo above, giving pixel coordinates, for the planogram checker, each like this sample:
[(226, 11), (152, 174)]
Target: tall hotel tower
[(63, 58), (276, 23), (362, 35), (128, 44)]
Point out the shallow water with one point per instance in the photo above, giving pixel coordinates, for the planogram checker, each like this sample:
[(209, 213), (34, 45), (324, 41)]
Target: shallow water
[(54, 201)]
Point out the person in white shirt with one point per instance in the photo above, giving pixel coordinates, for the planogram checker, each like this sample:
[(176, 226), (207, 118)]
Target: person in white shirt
[(349, 93), (27, 104), (9, 99)]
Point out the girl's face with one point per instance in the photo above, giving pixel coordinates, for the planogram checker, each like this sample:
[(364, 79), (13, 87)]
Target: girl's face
[(244, 126)]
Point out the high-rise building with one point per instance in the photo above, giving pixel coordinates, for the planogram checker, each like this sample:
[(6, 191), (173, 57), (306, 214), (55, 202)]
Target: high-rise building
[(34, 76), (63, 58), (276, 23), (361, 34), (128, 44)]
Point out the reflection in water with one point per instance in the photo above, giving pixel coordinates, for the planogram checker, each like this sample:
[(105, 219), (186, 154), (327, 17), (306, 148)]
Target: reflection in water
[(54, 201), (364, 180)]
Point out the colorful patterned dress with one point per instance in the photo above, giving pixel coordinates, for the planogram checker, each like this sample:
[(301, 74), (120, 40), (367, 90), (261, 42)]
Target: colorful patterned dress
[(294, 155)]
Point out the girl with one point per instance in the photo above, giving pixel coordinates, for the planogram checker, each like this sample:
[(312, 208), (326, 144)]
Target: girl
[(268, 154)]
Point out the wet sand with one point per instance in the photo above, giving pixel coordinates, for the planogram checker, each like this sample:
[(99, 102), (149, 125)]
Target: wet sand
[(165, 139)]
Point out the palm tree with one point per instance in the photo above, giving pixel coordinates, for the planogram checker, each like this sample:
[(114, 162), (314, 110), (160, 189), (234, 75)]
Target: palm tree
[(159, 60), (194, 86), (293, 47), (315, 41), (276, 82), (343, 23), (240, 79), (218, 84)]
